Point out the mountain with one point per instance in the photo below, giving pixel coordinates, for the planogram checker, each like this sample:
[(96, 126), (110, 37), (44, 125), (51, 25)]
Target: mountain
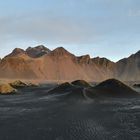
[(43, 64), (33, 52), (128, 69), (16, 52), (37, 51)]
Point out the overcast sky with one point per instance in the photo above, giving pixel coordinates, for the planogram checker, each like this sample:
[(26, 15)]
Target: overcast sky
[(105, 28)]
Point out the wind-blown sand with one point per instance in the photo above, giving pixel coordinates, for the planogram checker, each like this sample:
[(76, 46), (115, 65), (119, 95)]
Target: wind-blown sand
[(34, 115)]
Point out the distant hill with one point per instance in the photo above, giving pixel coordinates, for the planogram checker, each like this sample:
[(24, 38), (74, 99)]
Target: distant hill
[(42, 63)]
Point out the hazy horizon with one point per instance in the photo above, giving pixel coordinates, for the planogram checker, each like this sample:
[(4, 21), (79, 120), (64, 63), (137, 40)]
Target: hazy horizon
[(104, 28)]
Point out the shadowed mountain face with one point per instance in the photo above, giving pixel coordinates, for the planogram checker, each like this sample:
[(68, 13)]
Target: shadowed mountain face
[(37, 51), (129, 68), (41, 63)]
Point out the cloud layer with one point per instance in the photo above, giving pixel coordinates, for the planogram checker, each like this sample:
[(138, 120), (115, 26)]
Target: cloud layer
[(95, 24)]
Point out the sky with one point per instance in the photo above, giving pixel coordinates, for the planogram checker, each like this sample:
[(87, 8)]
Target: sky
[(105, 28)]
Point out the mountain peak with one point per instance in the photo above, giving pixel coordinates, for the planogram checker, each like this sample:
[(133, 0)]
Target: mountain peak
[(18, 50), (37, 51), (15, 52), (85, 56), (60, 51), (102, 61), (137, 53), (39, 47), (84, 59)]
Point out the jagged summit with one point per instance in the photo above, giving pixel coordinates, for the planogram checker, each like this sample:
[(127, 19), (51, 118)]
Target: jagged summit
[(102, 61), (16, 52), (60, 64), (133, 56), (37, 51), (137, 54), (87, 56), (84, 59), (33, 52), (128, 69), (39, 47), (42, 47), (60, 51)]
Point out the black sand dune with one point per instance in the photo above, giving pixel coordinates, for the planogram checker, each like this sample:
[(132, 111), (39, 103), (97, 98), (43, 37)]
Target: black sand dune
[(81, 83), (112, 88), (62, 88), (69, 91), (38, 113), (82, 90), (33, 115)]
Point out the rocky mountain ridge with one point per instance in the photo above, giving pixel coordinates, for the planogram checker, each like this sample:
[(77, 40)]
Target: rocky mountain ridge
[(59, 64)]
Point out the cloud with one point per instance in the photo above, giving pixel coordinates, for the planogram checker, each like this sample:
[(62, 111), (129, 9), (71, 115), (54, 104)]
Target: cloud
[(52, 29), (134, 13), (88, 22), (100, 23)]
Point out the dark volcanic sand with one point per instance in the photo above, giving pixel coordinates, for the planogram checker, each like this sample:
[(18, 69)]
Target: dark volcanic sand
[(32, 115)]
